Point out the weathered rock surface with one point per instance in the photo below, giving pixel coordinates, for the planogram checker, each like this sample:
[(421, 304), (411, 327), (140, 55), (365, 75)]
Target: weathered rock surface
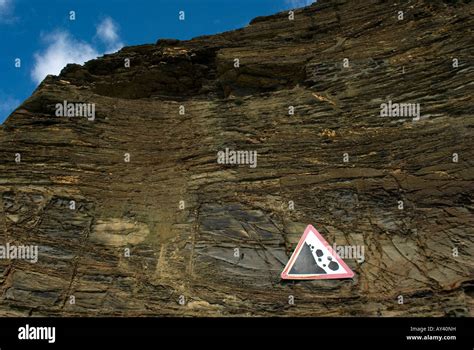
[(190, 252)]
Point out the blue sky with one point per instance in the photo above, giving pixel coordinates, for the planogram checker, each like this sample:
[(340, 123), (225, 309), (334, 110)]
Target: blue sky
[(42, 35)]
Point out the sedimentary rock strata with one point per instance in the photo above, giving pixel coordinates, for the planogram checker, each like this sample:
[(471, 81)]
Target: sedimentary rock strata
[(133, 214)]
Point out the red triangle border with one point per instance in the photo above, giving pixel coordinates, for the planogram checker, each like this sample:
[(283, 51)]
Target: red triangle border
[(289, 265)]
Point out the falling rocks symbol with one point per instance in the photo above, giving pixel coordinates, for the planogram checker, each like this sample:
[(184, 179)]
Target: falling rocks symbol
[(314, 259)]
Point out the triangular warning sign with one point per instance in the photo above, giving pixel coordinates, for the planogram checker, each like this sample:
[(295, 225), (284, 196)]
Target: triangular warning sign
[(314, 259)]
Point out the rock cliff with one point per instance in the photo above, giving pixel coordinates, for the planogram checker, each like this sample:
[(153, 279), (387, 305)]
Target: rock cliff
[(134, 216)]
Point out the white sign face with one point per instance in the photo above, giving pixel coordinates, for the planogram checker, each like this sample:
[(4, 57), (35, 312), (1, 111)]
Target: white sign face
[(314, 258)]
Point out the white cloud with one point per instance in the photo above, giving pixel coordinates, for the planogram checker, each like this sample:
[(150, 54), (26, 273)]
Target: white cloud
[(107, 31), (299, 3), (6, 11), (62, 49)]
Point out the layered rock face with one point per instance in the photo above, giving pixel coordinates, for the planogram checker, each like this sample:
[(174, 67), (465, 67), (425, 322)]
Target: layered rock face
[(133, 215)]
